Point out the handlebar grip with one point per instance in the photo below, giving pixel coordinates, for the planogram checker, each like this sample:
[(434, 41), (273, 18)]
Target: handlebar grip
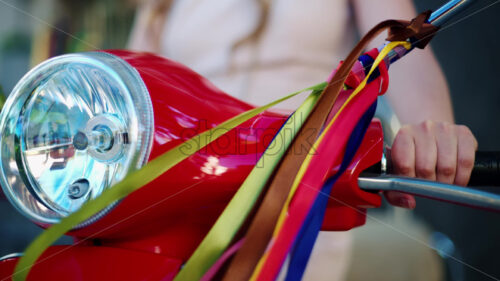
[(486, 170)]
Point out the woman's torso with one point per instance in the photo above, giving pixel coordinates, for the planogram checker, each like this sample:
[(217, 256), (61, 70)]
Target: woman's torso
[(300, 45)]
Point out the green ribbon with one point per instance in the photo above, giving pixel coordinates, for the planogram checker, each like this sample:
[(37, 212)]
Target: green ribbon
[(134, 181)]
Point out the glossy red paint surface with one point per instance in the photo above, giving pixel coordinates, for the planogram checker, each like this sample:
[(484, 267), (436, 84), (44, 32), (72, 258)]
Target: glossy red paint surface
[(348, 208), (171, 215), (164, 221), (91, 263)]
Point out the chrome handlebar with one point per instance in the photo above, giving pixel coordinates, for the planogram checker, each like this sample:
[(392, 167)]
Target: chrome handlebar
[(434, 190)]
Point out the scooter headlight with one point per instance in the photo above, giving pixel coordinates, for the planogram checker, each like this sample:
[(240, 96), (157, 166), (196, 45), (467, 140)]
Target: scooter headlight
[(71, 128)]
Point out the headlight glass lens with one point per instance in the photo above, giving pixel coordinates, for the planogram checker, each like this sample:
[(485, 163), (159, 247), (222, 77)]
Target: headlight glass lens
[(72, 127)]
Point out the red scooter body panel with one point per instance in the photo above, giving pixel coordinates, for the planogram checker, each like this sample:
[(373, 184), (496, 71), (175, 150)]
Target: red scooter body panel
[(172, 214), (162, 223), (347, 207), (92, 263)]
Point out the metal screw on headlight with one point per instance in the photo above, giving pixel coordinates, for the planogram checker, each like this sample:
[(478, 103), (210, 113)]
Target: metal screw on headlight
[(78, 189), (80, 141)]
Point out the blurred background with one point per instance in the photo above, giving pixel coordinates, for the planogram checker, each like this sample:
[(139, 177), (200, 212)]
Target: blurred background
[(34, 30)]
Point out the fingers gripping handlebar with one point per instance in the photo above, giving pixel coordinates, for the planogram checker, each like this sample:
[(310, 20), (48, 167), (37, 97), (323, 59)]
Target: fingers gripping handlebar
[(486, 172)]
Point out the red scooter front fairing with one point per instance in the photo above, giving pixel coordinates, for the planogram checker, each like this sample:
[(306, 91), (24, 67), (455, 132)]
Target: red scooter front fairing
[(161, 224)]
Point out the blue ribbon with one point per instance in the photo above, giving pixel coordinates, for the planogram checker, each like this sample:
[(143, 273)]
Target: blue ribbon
[(309, 231)]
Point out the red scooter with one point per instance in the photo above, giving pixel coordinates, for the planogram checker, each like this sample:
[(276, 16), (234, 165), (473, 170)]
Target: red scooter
[(79, 123)]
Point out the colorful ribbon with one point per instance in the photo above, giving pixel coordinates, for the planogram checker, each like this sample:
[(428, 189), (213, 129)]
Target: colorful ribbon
[(293, 215), (310, 229), (229, 222)]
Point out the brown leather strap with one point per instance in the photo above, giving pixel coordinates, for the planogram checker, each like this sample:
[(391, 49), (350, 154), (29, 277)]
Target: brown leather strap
[(262, 226), (416, 29)]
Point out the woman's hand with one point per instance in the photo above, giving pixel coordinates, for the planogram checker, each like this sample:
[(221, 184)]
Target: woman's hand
[(438, 151)]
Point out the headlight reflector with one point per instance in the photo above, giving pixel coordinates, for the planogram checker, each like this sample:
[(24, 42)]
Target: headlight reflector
[(72, 127)]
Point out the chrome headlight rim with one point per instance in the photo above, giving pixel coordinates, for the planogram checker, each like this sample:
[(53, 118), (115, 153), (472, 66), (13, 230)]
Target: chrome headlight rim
[(141, 123)]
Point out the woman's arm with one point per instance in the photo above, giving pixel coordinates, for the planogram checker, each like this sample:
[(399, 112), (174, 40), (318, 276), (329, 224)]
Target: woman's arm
[(429, 145)]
